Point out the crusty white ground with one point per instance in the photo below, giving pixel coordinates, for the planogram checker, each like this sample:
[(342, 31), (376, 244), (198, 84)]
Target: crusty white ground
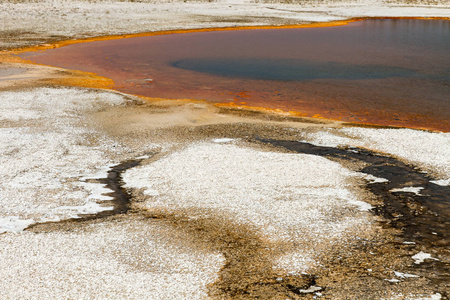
[(45, 151), (113, 260), (409, 189), (24, 22), (294, 198), (428, 150), (436, 296)]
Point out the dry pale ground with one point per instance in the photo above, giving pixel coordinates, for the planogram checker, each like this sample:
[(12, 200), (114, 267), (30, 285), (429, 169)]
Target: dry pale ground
[(30, 22), (213, 213)]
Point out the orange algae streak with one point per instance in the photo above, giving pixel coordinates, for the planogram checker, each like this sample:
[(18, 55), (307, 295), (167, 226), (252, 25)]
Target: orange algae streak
[(66, 77), (10, 57), (261, 109), (326, 118), (83, 79)]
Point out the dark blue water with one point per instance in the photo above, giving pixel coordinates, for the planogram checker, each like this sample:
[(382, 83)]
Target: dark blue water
[(298, 70)]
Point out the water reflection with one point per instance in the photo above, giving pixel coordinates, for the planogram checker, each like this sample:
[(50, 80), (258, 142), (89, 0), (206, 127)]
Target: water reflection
[(294, 70)]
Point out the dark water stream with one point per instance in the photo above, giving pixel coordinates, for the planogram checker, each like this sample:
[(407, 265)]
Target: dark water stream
[(389, 72), (423, 219)]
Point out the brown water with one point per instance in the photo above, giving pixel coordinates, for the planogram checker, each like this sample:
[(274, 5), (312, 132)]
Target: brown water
[(388, 72)]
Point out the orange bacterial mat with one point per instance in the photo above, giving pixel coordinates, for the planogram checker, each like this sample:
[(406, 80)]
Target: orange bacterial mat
[(386, 71)]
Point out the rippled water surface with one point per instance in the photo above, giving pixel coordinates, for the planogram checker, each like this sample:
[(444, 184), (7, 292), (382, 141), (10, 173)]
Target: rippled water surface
[(390, 72)]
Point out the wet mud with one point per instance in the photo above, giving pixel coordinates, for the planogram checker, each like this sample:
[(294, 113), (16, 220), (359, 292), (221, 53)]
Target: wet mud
[(6, 72), (122, 198)]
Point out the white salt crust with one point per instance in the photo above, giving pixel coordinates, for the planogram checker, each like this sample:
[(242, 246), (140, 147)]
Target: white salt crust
[(441, 182), (124, 260), (373, 179), (405, 275), (421, 256), (408, 189), (436, 296), (428, 150), (223, 140), (14, 224), (45, 155), (284, 197)]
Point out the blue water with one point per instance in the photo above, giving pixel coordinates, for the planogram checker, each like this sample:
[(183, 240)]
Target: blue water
[(296, 70)]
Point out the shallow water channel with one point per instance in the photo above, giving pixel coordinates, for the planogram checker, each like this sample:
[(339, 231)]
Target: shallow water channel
[(387, 71)]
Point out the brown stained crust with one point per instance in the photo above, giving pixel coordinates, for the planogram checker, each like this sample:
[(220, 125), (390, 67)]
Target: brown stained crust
[(248, 271)]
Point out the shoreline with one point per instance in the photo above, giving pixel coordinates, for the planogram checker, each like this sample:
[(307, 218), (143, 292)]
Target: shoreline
[(92, 80), (313, 24)]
